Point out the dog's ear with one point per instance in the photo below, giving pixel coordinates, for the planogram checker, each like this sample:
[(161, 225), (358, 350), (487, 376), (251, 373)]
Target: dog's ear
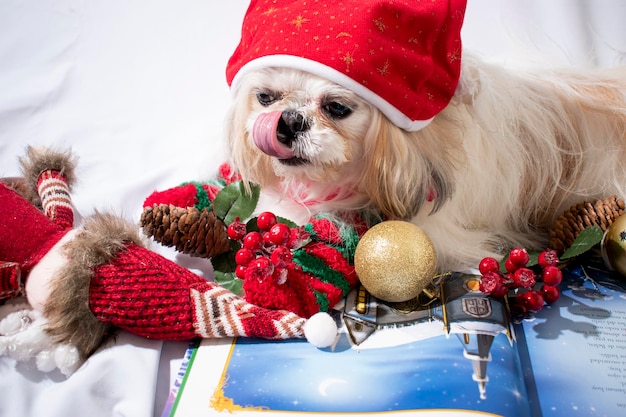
[(404, 170)]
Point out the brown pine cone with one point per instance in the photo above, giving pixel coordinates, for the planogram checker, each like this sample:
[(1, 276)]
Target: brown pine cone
[(567, 226), (189, 230)]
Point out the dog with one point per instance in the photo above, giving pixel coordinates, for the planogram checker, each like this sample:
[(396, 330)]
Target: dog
[(510, 151)]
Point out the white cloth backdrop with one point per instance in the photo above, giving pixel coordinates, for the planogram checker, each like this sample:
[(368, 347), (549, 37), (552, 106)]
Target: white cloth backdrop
[(137, 89)]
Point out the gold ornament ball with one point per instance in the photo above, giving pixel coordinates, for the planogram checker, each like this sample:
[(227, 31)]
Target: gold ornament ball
[(395, 261), (614, 245)]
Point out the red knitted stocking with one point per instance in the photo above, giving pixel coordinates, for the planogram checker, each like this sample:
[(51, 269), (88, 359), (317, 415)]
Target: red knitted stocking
[(56, 202), (321, 273), (26, 235), (146, 294), (10, 282)]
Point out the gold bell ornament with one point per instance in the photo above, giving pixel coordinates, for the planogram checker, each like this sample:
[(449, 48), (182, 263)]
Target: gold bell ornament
[(614, 245), (395, 261)]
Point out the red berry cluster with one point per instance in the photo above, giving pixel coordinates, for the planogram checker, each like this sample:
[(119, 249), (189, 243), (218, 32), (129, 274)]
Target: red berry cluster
[(267, 252), (522, 280)]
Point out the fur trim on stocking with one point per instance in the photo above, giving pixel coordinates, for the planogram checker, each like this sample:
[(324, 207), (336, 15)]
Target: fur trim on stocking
[(70, 318), (41, 159)]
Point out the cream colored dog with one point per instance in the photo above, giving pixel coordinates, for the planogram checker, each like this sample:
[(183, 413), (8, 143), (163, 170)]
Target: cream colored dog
[(374, 105), (493, 170)]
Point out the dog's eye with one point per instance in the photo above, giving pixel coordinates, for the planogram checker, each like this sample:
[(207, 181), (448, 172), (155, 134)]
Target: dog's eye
[(337, 110), (265, 98)]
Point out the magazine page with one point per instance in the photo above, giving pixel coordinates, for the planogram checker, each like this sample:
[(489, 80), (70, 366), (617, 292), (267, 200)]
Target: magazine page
[(180, 378), (575, 350), (455, 358)]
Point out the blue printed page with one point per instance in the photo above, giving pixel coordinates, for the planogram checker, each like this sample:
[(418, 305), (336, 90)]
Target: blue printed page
[(576, 348), (431, 374), (459, 358)]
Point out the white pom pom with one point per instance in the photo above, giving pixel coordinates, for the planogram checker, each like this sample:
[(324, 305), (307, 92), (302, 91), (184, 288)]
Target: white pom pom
[(45, 361), (320, 330), (22, 337), (67, 358)]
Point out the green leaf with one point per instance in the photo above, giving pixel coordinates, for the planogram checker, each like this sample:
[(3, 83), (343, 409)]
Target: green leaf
[(224, 269), (287, 222), (252, 225), (229, 281), (585, 240), (533, 258), (226, 261), (235, 201)]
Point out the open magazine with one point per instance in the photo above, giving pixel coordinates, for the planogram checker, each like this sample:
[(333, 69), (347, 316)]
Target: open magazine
[(458, 356)]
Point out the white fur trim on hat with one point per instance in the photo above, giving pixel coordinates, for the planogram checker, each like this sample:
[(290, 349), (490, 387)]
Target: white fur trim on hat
[(321, 70)]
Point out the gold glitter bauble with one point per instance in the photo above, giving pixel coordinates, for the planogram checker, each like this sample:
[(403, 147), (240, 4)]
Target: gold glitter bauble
[(395, 261), (614, 245)]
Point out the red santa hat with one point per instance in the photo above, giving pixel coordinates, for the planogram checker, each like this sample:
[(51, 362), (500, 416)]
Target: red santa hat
[(402, 56)]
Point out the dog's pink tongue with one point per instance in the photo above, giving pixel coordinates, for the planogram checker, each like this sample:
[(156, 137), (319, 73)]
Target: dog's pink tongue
[(264, 135)]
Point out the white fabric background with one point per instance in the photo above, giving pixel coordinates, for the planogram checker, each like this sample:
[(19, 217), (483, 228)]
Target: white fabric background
[(137, 89)]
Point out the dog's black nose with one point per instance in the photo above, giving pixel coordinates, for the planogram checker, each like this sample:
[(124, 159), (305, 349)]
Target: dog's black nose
[(291, 124)]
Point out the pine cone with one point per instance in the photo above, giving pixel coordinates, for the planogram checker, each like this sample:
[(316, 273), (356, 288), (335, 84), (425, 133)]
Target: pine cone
[(601, 213), (189, 230)]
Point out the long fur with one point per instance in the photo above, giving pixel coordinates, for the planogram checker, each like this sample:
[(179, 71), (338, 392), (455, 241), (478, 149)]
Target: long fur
[(39, 159), (511, 152), (70, 319)]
